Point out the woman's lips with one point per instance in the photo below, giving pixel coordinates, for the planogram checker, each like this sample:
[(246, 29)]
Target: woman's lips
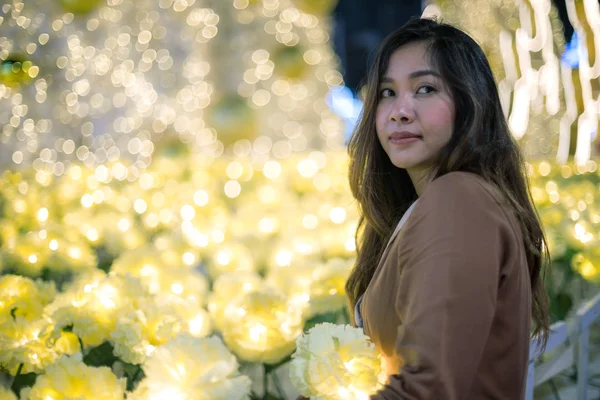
[(404, 138)]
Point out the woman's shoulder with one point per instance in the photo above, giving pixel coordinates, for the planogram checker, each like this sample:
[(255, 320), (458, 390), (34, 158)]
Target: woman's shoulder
[(461, 184), (464, 193)]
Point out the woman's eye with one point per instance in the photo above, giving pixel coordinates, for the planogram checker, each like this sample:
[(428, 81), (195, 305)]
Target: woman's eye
[(386, 93), (424, 89)]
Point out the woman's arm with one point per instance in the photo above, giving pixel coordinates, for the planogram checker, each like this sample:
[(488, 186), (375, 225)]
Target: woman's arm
[(447, 292)]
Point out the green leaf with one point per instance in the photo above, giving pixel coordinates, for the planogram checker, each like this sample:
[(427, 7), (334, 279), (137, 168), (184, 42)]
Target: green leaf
[(22, 381), (101, 356), (59, 278), (134, 374), (272, 367), (320, 318), (105, 259), (561, 304)]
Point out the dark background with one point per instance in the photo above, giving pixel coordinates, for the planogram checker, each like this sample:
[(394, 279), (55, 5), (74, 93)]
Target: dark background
[(360, 25)]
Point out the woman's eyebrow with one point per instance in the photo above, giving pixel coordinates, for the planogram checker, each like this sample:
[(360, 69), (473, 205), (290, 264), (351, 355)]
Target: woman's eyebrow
[(414, 75)]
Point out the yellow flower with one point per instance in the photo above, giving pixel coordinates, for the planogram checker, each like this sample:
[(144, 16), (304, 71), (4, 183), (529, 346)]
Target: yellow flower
[(196, 319), (6, 394), (336, 361), (27, 254), (137, 332), (263, 326), (231, 257), (327, 291), (318, 286), (587, 262), (155, 322), (71, 379), (158, 275), (226, 288), (188, 368), (93, 308), (23, 297), (26, 342)]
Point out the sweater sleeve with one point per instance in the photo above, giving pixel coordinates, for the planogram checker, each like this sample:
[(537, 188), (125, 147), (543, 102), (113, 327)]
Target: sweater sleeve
[(447, 290)]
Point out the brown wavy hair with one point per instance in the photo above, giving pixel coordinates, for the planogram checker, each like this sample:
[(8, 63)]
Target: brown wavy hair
[(480, 143)]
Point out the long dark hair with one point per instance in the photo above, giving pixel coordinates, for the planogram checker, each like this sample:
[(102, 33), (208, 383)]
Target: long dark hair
[(480, 143)]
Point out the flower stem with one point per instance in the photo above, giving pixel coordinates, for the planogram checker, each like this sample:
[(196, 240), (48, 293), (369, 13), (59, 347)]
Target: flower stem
[(80, 344), (278, 385), (265, 382), (16, 376)]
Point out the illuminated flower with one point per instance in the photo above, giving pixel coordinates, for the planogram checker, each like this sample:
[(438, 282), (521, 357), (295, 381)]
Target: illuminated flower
[(587, 262), (226, 288), (149, 265), (71, 379), (23, 297), (336, 361), (49, 249), (188, 368), (318, 286), (327, 291), (92, 309), (137, 332), (231, 257), (29, 343), (262, 326)]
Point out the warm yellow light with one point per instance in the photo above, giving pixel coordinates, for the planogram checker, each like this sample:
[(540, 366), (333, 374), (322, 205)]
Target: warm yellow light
[(284, 258), (337, 215), (350, 244), (140, 206), (268, 225), (32, 259), (232, 189), (223, 257), (582, 234), (53, 245), (310, 221), (234, 170), (257, 332), (74, 252), (106, 295), (177, 288), (196, 324), (188, 258), (218, 236), (272, 170), (92, 234), (87, 200), (200, 198), (123, 224), (148, 270), (42, 214), (307, 168), (187, 212), (588, 270)]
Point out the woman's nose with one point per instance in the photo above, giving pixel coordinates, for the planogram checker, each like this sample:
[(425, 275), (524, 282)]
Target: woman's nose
[(402, 110)]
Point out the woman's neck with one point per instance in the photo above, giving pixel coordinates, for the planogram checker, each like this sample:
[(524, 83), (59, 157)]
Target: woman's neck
[(420, 178)]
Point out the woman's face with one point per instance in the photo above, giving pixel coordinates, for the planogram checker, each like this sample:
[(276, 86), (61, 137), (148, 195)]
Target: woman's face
[(415, 112)]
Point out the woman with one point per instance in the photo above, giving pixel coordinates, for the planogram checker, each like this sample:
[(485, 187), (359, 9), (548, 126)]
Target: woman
[(447, 294)]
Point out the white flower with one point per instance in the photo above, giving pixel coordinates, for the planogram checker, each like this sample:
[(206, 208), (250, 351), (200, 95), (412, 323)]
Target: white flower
[(336, 361), (71, 379), (189, 368), (263, 326)]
